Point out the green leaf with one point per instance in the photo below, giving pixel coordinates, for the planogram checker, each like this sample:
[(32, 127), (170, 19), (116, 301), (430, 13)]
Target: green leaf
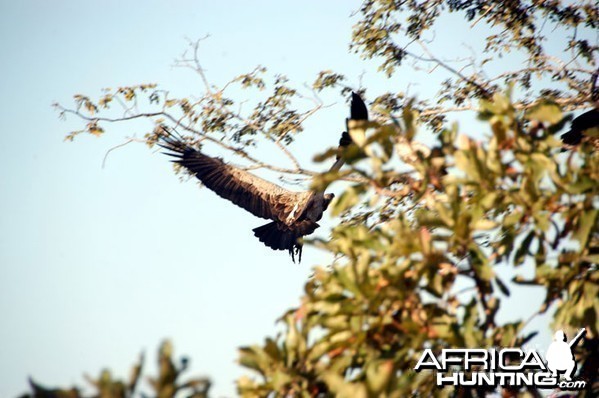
[(547, 112), (585, 225), (378, 374), (349, 198)]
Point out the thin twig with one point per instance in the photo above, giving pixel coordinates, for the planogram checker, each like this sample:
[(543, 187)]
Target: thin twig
[(482, 89), (484, 14), (130, 140)]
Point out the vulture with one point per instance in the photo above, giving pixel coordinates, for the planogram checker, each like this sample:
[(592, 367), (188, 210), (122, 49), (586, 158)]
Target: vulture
[(292, 214), (579, 125), (588, 120)]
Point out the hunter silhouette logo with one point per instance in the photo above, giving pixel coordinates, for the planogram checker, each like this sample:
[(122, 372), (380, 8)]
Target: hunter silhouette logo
[(506, 366), (559, 354)]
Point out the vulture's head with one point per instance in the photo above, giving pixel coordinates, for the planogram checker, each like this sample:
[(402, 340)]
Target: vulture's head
[(327, 200)]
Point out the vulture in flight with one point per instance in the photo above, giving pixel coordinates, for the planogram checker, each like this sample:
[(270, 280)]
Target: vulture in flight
[(292, 214)]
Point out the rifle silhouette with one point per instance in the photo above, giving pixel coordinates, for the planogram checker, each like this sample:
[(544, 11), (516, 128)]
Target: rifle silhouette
[(574, 341)]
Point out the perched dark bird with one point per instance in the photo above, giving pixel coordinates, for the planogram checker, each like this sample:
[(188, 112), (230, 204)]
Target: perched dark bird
[(587, 120), (581, 123), (357, 109), (293, 214)]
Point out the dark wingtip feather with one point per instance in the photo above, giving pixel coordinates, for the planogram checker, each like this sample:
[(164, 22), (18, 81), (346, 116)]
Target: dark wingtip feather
[(174, 145)]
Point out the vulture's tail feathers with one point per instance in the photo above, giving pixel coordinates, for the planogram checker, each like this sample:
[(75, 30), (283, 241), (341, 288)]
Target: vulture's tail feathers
[(278, 236), (279, 239)]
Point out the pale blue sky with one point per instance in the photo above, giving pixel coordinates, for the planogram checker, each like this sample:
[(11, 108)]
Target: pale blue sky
[(98, 264)]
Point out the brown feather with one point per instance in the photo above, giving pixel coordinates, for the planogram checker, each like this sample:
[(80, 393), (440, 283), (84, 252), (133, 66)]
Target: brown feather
[(248, 191)]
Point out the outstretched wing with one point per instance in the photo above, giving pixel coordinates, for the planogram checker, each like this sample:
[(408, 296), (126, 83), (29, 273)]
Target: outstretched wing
[(260, 197)]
